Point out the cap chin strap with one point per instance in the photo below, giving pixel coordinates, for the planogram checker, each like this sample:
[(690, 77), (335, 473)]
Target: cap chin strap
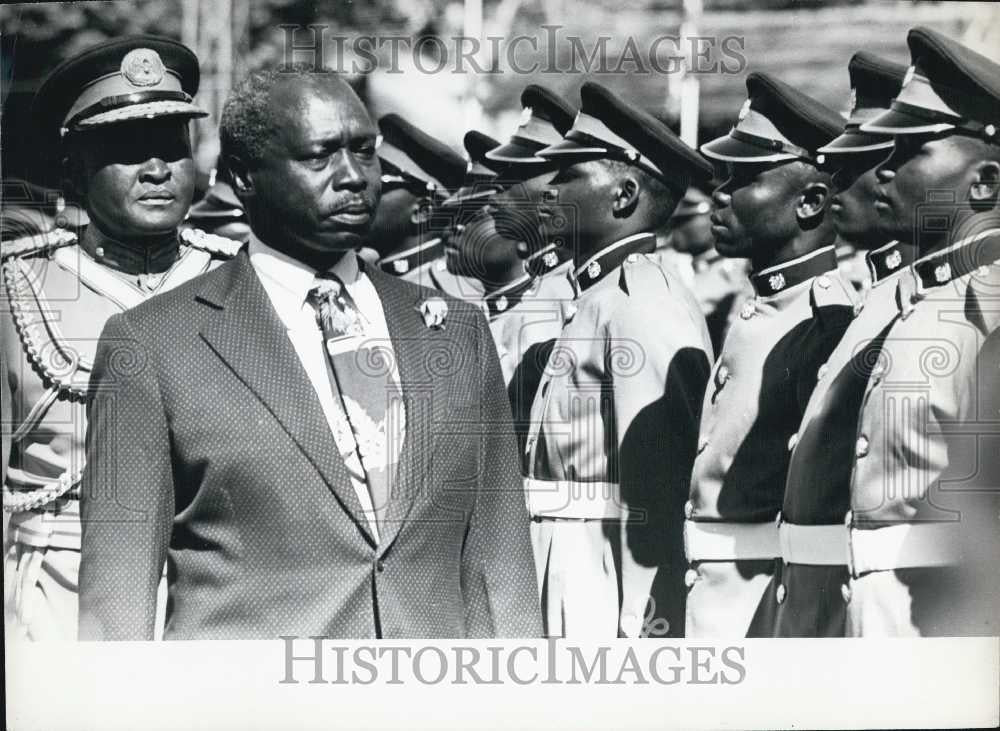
[(110, 103), (987, 132), (773, 145)]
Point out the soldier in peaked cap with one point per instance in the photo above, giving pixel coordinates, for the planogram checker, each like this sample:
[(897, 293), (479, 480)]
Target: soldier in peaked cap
[(418, 174), (118, 115), (920, 533), (525, 315), (772, 208), (614, 422), (806, 599), (527, 210), (719, 283)]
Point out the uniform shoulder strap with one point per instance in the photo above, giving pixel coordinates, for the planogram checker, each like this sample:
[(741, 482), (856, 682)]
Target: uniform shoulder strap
[(210, 243), (41, 243)]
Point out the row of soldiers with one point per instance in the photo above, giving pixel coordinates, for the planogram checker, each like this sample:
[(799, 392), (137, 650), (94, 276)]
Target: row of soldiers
[(721, 434)]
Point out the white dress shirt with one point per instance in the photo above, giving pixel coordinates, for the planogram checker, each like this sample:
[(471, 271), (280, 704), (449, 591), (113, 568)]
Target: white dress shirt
[(287, 282)]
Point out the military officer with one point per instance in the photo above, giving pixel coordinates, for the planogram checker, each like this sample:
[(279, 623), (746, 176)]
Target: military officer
[(805, 599), (773, 209), (921, 532), (720, 284), (119, 113), (528, 209), (418, 173), (614, 422), (524, 318)]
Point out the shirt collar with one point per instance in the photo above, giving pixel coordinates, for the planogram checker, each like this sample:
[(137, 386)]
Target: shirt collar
[(887, 260), (769, 282), (288, 280), (611, 257)]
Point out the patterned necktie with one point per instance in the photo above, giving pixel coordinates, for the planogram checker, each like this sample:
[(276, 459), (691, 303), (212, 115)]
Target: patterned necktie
[(363, 379)]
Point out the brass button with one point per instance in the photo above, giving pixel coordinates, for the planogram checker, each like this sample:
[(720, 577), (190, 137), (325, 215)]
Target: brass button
[(722, 375), (823, 281), (845, 591), (690, 576), (861, 447), (688, 509), (858, 306), (702, 446), (781, 593), (821, 373), (792, 441)]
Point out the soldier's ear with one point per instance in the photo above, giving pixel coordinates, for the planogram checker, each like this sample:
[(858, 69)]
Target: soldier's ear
[(626, 196), (421, 211), (985, 189), (239, 176), (812, 201)]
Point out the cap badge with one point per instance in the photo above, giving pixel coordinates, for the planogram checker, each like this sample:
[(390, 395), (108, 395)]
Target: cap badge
[(594, 269), (142, 67), (744, 111), (942, 273), (501, 303), (776, 281), (894, 259), (550, 259), (525, 116), (909, 75), (401, 266)]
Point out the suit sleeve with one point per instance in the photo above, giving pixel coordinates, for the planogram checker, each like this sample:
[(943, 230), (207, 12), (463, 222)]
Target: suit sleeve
[(658, 386), (127, 495), (498, 572)]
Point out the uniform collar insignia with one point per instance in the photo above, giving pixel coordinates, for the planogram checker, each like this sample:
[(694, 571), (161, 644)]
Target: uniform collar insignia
[(611, 257), (959, 259), (771, 281), (407, 261), (509, 296), (888, 260), (542, 261)]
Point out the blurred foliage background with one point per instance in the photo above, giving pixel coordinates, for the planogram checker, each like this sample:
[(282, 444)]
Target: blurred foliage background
[(804, 42)]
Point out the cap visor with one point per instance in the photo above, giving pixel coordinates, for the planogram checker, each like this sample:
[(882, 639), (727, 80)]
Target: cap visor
[(149, 110), (895, 122), (569, 148), (732, 150), (467, 195), (856, 142), (515, 152)]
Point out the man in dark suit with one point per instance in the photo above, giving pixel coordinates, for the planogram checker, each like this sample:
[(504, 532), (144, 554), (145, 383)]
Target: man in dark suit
[(314, 447)]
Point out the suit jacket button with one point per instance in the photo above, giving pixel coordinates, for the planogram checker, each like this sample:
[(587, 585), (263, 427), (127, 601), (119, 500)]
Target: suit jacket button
[(380, 566)]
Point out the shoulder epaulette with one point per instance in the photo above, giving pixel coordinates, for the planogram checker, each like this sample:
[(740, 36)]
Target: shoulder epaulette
[(37, 243), (831, 290), (210, 243)]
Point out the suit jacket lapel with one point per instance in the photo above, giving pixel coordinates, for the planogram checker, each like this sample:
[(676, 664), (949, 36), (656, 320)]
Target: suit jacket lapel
[(247, 334), (414, 345)]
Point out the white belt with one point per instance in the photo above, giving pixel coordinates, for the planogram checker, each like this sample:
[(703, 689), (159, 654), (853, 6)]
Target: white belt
[(47, 530), (899, 546), (704, 541), (564, 499)]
